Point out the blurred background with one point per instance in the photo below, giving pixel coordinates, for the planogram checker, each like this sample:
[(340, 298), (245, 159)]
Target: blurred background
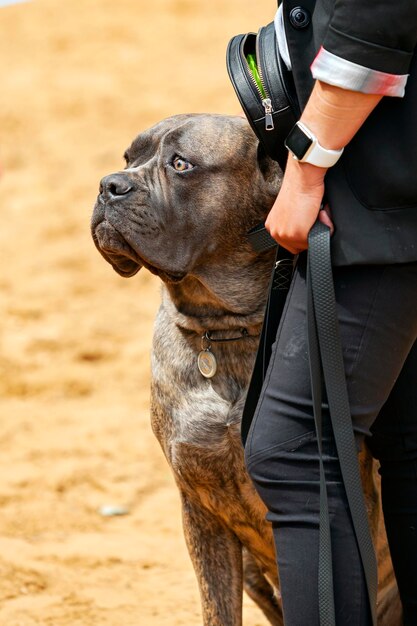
[(79, 80)]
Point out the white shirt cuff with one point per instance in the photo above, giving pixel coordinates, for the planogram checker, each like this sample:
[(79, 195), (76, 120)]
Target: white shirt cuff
[(334, 70)]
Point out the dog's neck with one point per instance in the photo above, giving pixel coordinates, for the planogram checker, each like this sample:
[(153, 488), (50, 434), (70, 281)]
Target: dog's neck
[(197, 311)]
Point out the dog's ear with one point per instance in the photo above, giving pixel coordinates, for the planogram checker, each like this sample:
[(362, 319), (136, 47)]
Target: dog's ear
[(269, 168)]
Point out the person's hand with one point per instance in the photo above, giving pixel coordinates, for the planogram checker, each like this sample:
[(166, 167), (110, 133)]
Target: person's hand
[(333, 115), (298, 205)]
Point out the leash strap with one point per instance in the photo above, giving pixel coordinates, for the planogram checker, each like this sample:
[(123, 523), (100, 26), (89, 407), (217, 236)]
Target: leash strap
[(279, 284), (326, 361), (260, 239)]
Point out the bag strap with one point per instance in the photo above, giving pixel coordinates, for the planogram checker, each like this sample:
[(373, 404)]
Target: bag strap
[(326, 358)]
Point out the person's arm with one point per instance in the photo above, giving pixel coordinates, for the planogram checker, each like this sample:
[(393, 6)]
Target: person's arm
[(334, 115), (366, 54), (368, 46)]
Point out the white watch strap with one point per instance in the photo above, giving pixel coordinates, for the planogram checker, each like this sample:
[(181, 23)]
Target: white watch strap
[(316, 154), (320, 156)]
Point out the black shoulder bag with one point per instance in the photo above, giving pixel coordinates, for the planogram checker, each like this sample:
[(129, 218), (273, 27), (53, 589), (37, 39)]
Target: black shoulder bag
[(267, 95), (265, 88)]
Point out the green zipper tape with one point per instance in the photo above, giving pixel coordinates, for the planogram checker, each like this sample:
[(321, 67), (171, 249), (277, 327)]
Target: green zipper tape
[(251, 59)]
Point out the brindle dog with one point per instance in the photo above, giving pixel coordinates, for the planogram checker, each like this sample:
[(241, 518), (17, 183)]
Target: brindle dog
[(193, 186)]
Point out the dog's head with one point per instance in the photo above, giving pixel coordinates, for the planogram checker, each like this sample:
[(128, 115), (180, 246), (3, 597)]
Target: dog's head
[(192, 187)]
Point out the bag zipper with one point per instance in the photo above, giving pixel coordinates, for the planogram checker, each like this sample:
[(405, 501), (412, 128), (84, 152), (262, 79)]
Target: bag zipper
[(266, 102), (269, 120), (265, 97)]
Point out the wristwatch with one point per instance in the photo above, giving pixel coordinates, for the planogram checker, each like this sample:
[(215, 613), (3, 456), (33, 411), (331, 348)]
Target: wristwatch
[(304, 146)]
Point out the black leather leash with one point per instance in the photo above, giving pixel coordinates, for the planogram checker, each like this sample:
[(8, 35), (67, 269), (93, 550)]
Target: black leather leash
[(326, 361), (326, 358)]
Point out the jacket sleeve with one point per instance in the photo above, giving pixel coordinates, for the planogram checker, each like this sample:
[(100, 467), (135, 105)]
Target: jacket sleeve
[(368, 46)]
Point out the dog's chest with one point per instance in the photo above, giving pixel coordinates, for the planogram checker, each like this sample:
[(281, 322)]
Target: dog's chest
[(190, 411), (198, 413)]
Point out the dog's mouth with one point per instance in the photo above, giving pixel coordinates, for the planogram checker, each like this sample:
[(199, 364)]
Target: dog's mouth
[(122, 257), (116, 250)]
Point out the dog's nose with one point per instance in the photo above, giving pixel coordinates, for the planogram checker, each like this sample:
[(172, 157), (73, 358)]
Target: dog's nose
[(116, 185)]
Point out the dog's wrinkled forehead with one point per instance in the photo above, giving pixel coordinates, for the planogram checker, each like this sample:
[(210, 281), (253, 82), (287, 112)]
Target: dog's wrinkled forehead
[(196, 137)]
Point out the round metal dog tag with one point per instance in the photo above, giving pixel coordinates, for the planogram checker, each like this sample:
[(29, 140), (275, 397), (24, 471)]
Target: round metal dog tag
[(207, 363)]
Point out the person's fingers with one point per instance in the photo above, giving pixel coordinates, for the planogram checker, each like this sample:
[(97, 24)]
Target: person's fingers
[(325, 218), (294, 243), (295, 247)]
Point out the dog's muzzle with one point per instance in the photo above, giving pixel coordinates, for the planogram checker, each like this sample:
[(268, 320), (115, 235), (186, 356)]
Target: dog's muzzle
[(109, 242), (112, 245)]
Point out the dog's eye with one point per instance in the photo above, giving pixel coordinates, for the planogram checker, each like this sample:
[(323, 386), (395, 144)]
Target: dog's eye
[(181, 165)]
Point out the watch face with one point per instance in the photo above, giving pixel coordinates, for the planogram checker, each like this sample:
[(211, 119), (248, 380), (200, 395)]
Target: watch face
[(298, 142)]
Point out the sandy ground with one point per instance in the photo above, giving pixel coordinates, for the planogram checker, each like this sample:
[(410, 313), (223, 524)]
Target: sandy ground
[(78, 81)]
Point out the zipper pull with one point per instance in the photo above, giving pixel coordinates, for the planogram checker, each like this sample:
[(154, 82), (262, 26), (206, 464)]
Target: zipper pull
[(269, 122)]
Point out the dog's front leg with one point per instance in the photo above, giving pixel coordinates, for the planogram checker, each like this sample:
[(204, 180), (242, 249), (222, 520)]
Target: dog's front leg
[(216, 554)]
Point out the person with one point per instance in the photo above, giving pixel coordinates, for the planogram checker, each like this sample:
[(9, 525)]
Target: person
[(354, 65)]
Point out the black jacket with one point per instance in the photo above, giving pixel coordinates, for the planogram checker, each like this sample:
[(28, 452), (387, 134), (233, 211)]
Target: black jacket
[(372, 190)]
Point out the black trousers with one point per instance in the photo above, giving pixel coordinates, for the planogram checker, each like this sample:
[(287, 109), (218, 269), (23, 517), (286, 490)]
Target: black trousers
[(377, 310)]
